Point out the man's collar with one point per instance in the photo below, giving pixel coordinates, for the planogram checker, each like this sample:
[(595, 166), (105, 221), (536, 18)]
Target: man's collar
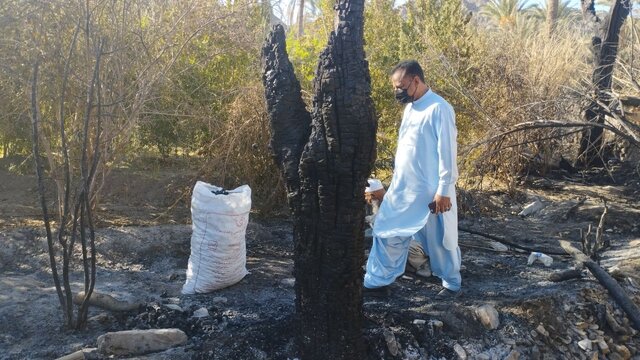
[(423, 97)]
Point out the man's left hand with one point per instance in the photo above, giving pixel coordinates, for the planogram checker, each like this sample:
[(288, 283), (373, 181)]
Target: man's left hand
[(443, 204)]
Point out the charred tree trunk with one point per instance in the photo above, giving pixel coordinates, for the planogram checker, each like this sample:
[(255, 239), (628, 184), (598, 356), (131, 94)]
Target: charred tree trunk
[(325, 157), (605, 52)]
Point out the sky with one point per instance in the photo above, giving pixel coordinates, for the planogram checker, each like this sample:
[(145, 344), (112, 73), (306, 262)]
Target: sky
[(285, 5)]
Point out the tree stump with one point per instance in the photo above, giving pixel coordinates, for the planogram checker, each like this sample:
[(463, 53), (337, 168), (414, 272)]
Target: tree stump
[(325, 157), (605, 48)]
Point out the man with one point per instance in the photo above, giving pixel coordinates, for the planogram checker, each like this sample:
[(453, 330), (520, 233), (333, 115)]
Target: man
[(424, 176)]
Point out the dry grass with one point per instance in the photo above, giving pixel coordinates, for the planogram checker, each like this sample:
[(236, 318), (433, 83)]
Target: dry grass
[(519, 79), (240, 154)]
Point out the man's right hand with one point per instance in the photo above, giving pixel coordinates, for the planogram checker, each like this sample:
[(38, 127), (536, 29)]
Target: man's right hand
[(442, 204), (378, 195)]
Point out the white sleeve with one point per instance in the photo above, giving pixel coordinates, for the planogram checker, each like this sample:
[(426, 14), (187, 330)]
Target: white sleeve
[(447, 149)]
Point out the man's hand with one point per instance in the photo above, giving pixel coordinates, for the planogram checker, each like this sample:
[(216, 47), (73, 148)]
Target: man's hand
[(374, 195), (443, 204)]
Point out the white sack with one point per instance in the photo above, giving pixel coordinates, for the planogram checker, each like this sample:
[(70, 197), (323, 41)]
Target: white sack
[(218, 248)]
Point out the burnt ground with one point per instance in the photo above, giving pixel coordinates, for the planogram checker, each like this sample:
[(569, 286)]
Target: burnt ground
[(143, 246)]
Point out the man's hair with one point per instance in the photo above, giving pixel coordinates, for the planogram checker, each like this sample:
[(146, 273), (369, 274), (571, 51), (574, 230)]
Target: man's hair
[(410, 67)]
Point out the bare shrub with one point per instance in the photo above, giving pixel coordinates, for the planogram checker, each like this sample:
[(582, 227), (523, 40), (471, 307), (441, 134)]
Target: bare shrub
[(99, 65), (240, 153), (522, 79)]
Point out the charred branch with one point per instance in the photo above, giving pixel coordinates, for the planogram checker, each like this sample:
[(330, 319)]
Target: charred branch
[(75, 206), (35, 121), (592, 244), (87, 173), (609, 283), (541, 124)]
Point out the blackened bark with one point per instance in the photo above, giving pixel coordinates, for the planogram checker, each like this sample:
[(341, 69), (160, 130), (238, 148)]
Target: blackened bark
[(605, 52), (326, 193), (290, 122)]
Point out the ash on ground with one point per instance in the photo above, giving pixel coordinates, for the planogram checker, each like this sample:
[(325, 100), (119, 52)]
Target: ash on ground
[(254, 319)]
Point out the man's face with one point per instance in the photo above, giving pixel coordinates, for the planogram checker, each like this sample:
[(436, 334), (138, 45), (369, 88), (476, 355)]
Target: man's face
[(405, 87), (400, 81)]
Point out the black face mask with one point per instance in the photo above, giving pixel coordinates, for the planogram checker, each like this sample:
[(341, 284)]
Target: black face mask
[(402, 96)]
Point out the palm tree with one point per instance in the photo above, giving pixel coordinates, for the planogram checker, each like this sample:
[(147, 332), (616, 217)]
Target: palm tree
[(505, 13), (301, 18), (565, 12), (297, 9), (525, 26), (555, 11), (552, 16)]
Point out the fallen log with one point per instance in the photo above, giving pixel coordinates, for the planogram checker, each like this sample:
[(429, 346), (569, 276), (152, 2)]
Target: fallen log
[(509, 243), (106, 301), (79, 355), (138, 342), (617, 292)]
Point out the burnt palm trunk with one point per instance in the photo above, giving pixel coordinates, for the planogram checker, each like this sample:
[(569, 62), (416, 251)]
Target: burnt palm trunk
[(325, 157), (605, 50)]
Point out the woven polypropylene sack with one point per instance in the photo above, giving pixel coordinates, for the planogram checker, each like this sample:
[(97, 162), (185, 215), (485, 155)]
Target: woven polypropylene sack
[(218, 247)]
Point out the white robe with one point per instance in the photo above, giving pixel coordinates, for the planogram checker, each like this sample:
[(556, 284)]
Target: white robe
[(425, 164)]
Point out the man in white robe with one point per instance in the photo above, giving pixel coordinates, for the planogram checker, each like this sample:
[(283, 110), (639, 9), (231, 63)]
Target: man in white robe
[(425, 172)]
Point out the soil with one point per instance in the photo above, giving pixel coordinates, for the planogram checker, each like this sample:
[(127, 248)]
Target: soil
[(144, 242)]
